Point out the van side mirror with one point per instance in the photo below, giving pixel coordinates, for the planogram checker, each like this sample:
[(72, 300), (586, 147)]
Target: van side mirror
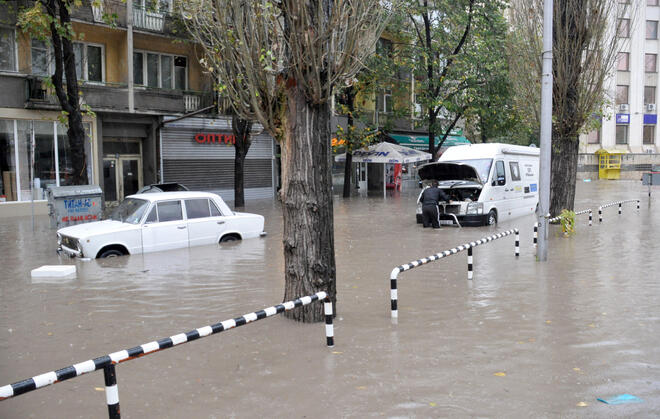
[(501, 181), (420, 184)]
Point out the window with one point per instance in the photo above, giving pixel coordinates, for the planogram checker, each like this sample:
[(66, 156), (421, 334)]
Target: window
[(649, 94), (649, 134), (651, 2), (622, 61), (624, 28), (515, 171), (169, 211), (40, 52), (622, 134), (594, 137), (162, 6), (89, 62), (160, 70), (651, 29), (384, 47), (153, 216), (650, 63), (499, 173), (621, 94), (197, 208), (7, 49), (386, 101), (215, 212)]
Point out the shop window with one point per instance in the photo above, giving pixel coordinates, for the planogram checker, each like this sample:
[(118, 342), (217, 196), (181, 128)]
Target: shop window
[(649, 134), (7, 49), (650, 63), (622, 61), (160, 70), (8, 188), (622, 134), (651, 29)]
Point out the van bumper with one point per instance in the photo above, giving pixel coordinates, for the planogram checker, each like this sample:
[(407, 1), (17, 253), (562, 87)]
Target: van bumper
[(475, 220)]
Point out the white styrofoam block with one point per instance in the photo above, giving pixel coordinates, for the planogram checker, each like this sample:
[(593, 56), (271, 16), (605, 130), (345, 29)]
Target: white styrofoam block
[(53, 271)]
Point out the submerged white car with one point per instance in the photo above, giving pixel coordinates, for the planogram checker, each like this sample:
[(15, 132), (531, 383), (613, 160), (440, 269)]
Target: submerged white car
[(152, 222)]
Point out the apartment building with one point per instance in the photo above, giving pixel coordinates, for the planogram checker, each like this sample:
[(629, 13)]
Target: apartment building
[(631, 127), (156, 115)]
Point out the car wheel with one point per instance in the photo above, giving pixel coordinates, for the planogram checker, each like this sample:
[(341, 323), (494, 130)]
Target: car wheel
[(111, 253), (226, 239), (492, 218)]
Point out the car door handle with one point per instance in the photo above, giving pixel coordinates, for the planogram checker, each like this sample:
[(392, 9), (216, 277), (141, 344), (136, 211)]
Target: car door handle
[(181, 227), (221, 222)]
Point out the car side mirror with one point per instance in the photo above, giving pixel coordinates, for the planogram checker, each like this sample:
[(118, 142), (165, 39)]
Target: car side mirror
[(500, 181), (420, 185)]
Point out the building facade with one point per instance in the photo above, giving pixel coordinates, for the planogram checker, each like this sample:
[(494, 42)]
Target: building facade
[(136, 70), (631, 126)]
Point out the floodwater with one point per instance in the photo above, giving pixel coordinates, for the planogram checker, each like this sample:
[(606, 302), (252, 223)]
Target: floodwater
[(523, 339)]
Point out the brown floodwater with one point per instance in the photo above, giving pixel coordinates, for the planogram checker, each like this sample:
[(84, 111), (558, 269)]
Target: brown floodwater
[(522, 339)]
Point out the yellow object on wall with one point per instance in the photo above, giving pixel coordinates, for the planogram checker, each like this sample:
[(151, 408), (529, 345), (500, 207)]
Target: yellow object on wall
[(609, 163)]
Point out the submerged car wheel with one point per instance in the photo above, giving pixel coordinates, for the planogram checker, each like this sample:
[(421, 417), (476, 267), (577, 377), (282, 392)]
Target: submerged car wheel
[(492, 218), (111, 253), (229, 238)]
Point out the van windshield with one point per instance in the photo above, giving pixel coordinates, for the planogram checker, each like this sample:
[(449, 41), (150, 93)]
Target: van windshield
[(482, 166)]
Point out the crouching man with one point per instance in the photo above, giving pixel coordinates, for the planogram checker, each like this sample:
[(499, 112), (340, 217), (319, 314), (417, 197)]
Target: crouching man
[(430, 199)]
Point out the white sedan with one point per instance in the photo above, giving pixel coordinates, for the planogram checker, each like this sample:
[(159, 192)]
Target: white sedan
[(152, 222)]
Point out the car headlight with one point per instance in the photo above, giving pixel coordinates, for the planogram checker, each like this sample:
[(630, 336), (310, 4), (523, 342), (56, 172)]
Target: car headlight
[(475, 208), (419, 208)]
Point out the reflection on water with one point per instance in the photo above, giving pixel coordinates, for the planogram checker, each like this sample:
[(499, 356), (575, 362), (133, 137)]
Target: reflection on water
[(583, 325)]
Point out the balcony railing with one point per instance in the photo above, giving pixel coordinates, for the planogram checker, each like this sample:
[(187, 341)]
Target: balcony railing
[(147, 19)]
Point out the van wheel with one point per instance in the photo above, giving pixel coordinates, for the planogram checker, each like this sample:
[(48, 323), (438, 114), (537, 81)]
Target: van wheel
[(228, 238), (492, 218)]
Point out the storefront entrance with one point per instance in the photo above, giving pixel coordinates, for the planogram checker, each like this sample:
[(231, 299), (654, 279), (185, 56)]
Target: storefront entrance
[(122, 172)]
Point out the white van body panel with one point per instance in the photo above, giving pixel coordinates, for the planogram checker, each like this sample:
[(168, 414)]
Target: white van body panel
[(514, 195)]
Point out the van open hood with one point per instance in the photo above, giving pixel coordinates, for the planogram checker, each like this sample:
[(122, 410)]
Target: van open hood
[(448, 171)]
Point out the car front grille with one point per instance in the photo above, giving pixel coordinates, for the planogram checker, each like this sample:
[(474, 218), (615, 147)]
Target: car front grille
[(70, 242), (452, 209)]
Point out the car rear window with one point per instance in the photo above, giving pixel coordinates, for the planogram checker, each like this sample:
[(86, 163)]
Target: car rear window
[(169, 211), (197, 208)]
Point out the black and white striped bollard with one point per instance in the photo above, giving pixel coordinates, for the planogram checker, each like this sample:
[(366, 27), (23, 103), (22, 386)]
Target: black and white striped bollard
[(619, 208), (111, 391), (469, 260), (590, 217), (329, 328), (600, 214), (536, 233), (517, 243), (638, 204)]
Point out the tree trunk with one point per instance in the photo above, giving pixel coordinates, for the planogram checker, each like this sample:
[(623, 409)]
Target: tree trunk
[(432, 117), (564, 172), (241, 129), (309, 256), (348, 170)]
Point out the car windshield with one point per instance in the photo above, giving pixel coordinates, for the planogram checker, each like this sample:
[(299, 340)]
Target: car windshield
[(482, 166), (129, 211)]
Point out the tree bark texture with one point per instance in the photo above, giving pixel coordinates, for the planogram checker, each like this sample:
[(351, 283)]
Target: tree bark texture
[(69, 101), (309, 259), (563, 173), (241, 129), (349, 96), (348, 171)]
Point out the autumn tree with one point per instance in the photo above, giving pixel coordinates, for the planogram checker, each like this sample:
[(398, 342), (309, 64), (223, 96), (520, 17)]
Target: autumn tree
[(584, 54), (282, 60), (50, 21)]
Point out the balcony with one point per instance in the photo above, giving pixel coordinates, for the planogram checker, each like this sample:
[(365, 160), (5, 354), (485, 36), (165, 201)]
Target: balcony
[(147, 19)]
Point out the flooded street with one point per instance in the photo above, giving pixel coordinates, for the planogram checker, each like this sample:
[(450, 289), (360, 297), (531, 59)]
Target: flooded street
[(522, 339)]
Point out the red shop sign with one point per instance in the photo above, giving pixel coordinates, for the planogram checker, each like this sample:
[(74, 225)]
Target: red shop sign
[(215, 138)]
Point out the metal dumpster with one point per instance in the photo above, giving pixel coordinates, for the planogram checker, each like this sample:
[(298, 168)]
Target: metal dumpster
[(70, 205)]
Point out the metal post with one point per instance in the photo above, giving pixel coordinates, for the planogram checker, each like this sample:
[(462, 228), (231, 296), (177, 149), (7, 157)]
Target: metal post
[(590, 218), (129, 56), (469, 260), (329, 328), (111, 392), (546, 133), (619, 208), (517, 244), (600, 214), (536, 233)]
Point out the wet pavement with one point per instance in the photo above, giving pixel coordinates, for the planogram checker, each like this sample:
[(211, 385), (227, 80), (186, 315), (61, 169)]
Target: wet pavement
[(523, 339)]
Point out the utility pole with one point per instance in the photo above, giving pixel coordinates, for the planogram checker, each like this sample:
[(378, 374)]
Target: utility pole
[(546, 134)]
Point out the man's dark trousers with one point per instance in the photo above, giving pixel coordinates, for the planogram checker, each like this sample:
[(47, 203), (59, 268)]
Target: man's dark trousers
[(430, 216)]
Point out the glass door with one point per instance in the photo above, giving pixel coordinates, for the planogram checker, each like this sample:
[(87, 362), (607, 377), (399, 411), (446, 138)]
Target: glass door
[(110, 185), (131, 179), (122, 176)]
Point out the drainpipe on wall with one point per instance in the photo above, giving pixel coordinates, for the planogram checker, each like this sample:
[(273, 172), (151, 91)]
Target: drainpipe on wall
[(129, 51)]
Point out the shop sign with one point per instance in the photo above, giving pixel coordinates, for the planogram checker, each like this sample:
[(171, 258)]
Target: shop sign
[(215, 138), (623, 118)]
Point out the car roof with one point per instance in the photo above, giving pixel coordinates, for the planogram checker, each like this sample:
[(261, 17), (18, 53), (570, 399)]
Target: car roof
[(159, 196)]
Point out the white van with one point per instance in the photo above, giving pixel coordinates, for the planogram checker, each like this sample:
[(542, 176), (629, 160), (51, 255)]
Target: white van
[(486, 183)]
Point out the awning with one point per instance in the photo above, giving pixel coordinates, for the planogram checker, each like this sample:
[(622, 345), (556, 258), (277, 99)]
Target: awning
[(422, 143)]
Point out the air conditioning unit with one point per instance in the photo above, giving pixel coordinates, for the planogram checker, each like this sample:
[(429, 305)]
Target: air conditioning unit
[(650, 107), (624, 107)]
